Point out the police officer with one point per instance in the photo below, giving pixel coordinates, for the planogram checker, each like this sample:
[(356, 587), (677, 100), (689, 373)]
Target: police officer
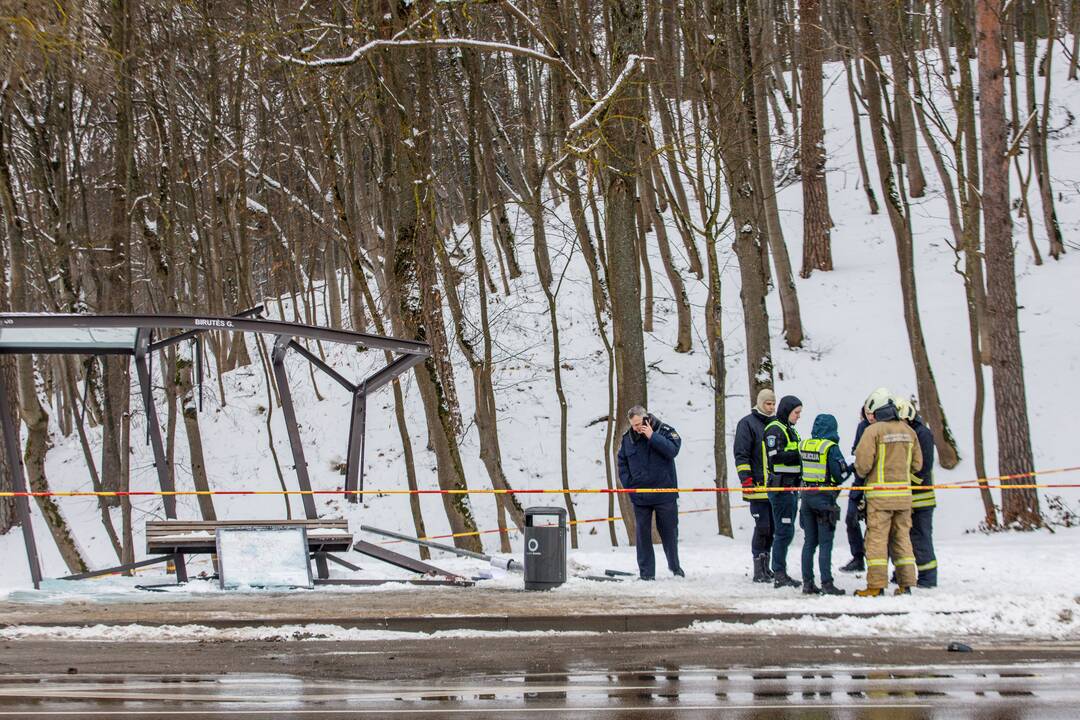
[(923, 500), (887, 455), (823, 468), (647, 461), (783, 469), (750, 464)]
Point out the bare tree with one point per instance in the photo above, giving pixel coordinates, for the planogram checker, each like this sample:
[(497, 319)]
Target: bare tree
[(817, 223), (1015, 458)]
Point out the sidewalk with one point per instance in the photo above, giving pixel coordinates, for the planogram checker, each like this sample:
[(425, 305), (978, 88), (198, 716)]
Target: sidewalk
[(388, 608)]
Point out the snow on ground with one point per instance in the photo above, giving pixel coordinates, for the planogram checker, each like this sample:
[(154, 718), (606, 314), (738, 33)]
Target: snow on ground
[(281, 633), (855, 341)]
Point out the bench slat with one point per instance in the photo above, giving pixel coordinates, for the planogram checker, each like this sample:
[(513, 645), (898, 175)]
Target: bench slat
[(199, 536)]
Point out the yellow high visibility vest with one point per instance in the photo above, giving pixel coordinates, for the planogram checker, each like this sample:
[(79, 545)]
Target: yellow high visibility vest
[(815, 460), (790, 445)]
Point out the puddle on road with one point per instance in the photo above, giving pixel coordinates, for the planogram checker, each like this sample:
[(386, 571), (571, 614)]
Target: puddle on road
[(974, 690)]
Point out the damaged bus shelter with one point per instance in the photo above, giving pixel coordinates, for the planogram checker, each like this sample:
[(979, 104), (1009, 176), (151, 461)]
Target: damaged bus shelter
[(140, 336)]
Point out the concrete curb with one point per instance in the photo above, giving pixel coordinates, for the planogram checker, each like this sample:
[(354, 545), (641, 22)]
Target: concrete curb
[(643, 622)]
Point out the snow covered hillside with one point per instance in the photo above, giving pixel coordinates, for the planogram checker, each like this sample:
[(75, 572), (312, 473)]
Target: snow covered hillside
[(856, 341)]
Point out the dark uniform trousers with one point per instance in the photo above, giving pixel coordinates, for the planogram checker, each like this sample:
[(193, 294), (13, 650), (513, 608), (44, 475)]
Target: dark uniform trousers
[(854, 527), (922, 542), (761, 511), (667, 524), (818, 522), (785, 505)]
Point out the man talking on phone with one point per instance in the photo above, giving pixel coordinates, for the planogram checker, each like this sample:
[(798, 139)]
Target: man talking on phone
[(647, 462)]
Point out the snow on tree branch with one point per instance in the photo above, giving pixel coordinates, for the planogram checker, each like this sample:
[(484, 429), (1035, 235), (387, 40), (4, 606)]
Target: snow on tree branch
[(632, 64), (374, 45)]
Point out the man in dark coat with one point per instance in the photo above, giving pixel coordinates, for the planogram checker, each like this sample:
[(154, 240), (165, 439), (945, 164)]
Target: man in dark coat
[(851, 518), (750, 465), (647, 461)]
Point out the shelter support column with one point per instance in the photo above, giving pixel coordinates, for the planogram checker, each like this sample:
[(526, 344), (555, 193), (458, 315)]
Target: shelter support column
[(354, 466), (18, 484), (281, 377)]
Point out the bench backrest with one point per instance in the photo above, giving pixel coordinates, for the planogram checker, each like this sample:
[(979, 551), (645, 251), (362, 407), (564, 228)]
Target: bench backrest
[(199, 536), (173, 527)]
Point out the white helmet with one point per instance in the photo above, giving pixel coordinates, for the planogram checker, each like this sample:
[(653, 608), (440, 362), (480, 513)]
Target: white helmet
[(877, 400), (904, 408)]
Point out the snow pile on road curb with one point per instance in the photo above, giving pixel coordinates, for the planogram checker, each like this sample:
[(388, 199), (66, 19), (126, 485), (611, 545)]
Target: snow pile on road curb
[(1051, 617), (280, 633)]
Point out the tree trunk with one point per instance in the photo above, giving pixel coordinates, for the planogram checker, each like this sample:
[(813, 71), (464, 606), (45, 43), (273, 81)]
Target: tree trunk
[(621, 127), (1020, 508), (190, 412), (714, 319), (864, 172), (817, 223), (733, 131), (896, 205), (411, 278), (1039, 151), (8, 516), (776, 246), (908, 142)]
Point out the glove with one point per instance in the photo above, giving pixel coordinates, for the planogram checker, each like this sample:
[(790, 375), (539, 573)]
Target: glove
[(862, 510)]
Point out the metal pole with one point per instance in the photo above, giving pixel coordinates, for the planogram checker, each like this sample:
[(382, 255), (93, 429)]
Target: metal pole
[(354, 466), (281, 347), (18, 484), (426, 543)]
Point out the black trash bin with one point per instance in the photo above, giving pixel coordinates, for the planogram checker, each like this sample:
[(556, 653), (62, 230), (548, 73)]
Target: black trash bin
[(545, 547)]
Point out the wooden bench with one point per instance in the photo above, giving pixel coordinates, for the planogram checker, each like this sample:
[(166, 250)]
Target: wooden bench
[(171, 540), (189, 537)]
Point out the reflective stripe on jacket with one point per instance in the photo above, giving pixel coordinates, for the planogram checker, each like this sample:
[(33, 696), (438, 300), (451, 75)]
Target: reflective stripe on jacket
[(887, 456), (783, 466), (815, 460), (924, 497), (750, 460)]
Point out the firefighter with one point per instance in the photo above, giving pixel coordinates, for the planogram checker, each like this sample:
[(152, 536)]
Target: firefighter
[(888, 455), (750, 464), (923, 500), (823, 468), (783, 469)]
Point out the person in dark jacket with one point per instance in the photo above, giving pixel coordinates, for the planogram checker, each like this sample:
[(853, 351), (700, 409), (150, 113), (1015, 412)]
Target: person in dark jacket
[(783, 469), (647, 461), (855, 498), (750, 465), (923, 500), (823, 468)]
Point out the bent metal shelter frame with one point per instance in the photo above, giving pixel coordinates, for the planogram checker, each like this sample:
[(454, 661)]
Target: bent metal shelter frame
[(139, 336)]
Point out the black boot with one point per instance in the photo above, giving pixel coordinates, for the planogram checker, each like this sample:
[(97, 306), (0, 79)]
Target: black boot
[(768, 567), (827, 588), (760, 573), (781, 580), (809, 588), (856, 565)]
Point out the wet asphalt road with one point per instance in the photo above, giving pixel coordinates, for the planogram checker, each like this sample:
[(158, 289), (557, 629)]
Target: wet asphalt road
[(611, 675), (983, 692)]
